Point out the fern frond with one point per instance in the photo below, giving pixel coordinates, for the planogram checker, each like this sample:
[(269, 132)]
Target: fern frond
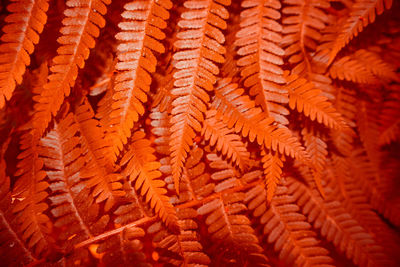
[(363, 12), (307, 99), (139, 41), (132, 207), (287, 228), (91, 130), (11, 245), (272, 164), (199, 45), (226, 223), (302, 26), (71, 201), (337, 226), (21, 34), (376, 65), (389, 125), (226, 141), (356, 203), (98, 172), (345, 105), (33, 224), (352, 69), (261, 56), (142, 169), (382, 193), (239, 111), (368, 128), (317, 149), (230, 228), (81, 25), (186, 248)]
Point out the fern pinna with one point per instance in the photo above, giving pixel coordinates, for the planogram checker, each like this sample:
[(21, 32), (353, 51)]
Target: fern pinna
[(199, 133)]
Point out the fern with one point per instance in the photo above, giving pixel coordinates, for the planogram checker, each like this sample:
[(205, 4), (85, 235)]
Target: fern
[(362, 13), (199, 46), (261, 56), (136, 38), (143, 170), (21, 34), (199, 133), (308, 100), (80, 28)]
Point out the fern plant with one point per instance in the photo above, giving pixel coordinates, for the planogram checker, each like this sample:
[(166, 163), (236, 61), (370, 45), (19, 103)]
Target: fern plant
[(199, 133)]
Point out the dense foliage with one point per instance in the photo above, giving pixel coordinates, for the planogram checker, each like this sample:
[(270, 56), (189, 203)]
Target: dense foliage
[(199, 133)]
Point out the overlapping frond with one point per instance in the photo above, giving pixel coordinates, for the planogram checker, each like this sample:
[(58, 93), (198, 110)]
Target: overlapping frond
[(238, 111), (142, 169), (337, 226), (261, 56), (34, 225), (389, 117), (140, 42), (98, 173), (225, 140), (302, 25), (20, 35), (199, 45), (345, 104), (185, 248), (354, 200), (81, 26), (226, 223), (304, 97), (287, 228), (13, 248), (352, 69), (71, 201), (363, 12)]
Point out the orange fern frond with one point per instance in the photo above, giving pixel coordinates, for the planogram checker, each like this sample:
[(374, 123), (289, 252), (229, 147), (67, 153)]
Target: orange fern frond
[(11, 244), (225, 221), (307, 99), (71, 200), (302, 25), (345, 104), (21, 34), (186, 248), (81, 25), (272, 164), (226, 141), (142, 169), (363, 12), (98, 172), (261, 56), (317, 150), (376, 65), (389, 117), (338, 227), (91, 130), (30, 191), (287, 228), (199, 45), (352, 69), (239, 111), (139, 41)]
